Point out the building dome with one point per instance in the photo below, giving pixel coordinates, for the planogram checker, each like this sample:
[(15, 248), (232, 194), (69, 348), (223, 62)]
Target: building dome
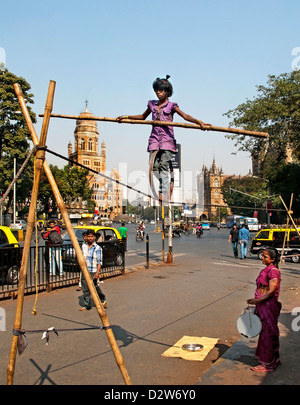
[(84, 126)]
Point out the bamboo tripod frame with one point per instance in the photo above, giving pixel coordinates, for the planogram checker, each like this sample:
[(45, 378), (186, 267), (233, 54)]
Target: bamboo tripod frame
[(164, 123), (39, 164)]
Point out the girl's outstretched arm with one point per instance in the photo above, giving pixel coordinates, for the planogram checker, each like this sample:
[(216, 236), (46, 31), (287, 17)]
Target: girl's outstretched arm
[(135, 117), (189, 117)]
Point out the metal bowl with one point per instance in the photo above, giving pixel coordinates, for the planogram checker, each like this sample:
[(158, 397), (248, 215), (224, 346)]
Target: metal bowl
[(192, 347)]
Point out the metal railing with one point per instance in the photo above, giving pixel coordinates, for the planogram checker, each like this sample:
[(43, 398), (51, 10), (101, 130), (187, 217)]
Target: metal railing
[(43, 275)]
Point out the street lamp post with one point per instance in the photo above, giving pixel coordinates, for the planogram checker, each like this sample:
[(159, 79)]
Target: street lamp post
[(15, 193)]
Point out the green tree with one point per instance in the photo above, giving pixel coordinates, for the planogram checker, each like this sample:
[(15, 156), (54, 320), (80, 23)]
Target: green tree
[(72, 183), (76, 185), (285, 180), (276, 110), (14, 134), (244, 195)]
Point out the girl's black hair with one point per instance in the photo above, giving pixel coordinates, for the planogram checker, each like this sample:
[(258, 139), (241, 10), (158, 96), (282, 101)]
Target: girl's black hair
[(273, 255), (163, 85)]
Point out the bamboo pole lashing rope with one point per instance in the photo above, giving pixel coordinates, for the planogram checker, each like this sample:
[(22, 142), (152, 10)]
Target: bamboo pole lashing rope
[(285, 234), (289, 212), (38, 164), (78, 251)]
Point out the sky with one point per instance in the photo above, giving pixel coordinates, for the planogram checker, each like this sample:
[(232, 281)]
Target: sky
[(109, 52)]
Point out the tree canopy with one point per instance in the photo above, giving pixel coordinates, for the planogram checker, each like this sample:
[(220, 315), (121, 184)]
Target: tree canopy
[(276, 110), (72, 183), (244, 195), (14, 143), (14, 134)]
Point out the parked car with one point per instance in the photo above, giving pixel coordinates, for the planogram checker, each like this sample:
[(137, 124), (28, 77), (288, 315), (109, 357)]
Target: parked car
[(274, 238), (19, 224), (108, 238), (10, 256)]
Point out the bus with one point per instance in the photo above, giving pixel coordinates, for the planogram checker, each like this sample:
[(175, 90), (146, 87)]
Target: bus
[(251, 223), (232, 219)]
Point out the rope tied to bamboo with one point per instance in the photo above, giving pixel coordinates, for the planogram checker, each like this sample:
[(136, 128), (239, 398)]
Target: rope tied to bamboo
[(23, 341)]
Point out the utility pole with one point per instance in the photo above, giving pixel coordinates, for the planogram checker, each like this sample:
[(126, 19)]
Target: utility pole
[(14, 202)]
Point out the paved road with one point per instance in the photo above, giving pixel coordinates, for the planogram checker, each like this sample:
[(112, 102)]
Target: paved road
[(201, 294)]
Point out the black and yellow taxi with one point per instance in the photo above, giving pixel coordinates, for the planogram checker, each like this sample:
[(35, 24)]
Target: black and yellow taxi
[(274, 238), (107, 237), (10, 256)]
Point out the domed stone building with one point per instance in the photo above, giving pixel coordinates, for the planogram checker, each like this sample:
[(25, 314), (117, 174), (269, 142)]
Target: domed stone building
[(107, 194)]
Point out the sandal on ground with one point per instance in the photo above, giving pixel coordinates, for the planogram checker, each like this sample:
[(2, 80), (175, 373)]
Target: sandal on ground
[(261, 369)]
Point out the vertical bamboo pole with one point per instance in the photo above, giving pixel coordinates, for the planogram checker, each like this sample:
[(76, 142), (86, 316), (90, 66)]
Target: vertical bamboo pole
[(289, 212), (285, 234), (38, 164), (82, 263)]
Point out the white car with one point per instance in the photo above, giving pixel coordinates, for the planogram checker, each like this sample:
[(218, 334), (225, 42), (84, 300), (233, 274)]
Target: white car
[(19, 224)]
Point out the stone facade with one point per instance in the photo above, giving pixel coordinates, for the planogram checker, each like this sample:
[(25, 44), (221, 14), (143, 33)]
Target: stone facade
[(107, 194), (210, 197)]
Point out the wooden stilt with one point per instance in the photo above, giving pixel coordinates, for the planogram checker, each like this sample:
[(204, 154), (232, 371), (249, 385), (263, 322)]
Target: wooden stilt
[(163, 233), (82, 263), (170, 257)]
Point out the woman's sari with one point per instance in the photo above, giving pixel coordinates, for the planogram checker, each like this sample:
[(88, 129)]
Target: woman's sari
[(268, 311)]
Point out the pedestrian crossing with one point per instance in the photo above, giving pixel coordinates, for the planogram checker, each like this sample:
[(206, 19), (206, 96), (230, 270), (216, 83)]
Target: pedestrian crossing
[(237, 263), (152, 253)]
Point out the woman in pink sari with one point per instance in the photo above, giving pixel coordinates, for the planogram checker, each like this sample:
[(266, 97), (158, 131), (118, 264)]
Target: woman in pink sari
[(268, 310)]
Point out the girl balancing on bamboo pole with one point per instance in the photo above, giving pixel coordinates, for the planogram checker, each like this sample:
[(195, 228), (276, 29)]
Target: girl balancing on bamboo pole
[(162, 141)]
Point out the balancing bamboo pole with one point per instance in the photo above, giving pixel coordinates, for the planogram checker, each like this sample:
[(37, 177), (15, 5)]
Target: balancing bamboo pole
[(81, 261), (164, 123), (38, 165)]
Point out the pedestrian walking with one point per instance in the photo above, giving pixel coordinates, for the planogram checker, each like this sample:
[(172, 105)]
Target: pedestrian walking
[(124, 235), (234, 238), (93, 257), (268, 310), (54, 241), (244, 236)]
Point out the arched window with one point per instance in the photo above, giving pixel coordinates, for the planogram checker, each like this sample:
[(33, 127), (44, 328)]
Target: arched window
[(82, 144), (90, 144), (216, 193), (216, 182)]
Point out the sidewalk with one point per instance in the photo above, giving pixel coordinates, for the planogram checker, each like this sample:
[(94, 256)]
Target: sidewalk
[(141, 335), (233, 368)]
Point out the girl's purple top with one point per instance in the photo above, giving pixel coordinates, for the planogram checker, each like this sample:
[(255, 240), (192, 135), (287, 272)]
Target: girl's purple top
[(268, 273), (162, 137)]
